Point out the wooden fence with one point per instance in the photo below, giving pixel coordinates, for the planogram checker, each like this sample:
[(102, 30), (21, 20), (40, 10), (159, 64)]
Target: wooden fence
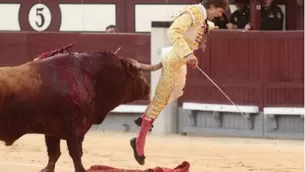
[(253, 68)]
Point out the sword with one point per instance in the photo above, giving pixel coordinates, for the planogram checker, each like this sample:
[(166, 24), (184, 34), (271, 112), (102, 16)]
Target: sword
[(223, 93)]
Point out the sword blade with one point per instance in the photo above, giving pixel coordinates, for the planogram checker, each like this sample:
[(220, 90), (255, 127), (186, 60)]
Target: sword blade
[(222, 92)]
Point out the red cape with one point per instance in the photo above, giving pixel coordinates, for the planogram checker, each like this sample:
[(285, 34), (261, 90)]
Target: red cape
[(183, 167)]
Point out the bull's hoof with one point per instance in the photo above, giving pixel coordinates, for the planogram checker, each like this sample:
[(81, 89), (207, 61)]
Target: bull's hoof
[(138, 122), (47, 170), (139, 159)]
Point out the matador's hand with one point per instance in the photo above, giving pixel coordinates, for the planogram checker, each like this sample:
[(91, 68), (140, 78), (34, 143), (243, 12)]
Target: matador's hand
[(192, 60), (199, 37)]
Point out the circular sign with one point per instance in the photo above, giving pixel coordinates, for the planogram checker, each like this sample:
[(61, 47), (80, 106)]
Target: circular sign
[(40, 17)]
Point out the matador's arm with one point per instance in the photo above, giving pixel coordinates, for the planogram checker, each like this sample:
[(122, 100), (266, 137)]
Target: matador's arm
[(175, 34)]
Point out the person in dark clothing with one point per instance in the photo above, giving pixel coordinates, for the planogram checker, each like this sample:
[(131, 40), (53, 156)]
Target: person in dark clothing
[(272, 16), (221, 21), (240, 19)]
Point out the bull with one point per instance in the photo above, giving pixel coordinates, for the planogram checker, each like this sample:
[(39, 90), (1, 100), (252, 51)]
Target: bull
[(63, 95)]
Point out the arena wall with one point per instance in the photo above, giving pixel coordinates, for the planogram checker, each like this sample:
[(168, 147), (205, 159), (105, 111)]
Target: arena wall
[(258, 71), (96, 15)]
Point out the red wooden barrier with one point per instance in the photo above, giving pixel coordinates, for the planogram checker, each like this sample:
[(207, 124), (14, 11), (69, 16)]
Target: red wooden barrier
[(253, 68), (258, 68)]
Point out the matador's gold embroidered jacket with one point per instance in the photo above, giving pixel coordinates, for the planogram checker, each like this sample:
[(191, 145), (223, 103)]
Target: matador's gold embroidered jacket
[(188, 23)]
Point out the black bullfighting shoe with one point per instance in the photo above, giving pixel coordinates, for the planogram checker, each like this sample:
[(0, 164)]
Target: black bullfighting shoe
[(138, 122), (138, 158), (138, 143)]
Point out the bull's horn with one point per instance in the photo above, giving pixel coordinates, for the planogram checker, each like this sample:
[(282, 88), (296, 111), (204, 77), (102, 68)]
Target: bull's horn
[(147, 67)]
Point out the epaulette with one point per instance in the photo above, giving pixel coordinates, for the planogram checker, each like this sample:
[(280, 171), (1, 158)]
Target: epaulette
[(194, 11)]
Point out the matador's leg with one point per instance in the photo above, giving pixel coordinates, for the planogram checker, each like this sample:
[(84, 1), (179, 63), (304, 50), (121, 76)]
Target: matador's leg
[(177, 91), (164, 91), (179, 85)]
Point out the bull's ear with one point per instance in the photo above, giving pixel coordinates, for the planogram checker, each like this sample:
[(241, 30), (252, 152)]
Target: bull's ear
[(131, 69), (135, 63)]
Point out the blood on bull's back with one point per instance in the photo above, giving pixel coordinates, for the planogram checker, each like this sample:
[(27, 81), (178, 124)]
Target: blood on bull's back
[(64, 75)]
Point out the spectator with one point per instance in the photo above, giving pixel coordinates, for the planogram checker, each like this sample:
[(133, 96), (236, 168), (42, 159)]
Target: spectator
[(240, 19), (221, 21), (272, 17), (112, 29)]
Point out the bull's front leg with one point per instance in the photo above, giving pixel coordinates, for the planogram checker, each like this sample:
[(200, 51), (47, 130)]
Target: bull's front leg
[(76, 152), (53, 147)]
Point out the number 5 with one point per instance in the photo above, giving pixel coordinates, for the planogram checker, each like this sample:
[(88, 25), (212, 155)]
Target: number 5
[(39, 13)]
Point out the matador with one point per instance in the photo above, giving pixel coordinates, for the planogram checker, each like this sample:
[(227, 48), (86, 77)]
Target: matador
[(187, 33)]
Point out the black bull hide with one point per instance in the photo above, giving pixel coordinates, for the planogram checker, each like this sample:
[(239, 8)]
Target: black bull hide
[(63, 96)]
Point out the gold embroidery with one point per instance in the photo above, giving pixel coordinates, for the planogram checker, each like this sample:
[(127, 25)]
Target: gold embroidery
[(182, 34)]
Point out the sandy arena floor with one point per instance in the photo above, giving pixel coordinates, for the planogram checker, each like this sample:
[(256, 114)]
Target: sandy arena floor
[(205, 154)]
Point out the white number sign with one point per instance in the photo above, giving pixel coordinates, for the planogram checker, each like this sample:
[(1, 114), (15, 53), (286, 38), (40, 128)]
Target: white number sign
[(40, 17)]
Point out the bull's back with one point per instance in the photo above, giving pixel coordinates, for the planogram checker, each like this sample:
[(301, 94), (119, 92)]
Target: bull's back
[(21, 78)]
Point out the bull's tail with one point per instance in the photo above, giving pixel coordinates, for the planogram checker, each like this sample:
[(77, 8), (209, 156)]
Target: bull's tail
[(147, 67)]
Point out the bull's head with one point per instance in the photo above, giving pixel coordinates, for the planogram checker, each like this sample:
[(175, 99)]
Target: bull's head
[(139, 88)]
